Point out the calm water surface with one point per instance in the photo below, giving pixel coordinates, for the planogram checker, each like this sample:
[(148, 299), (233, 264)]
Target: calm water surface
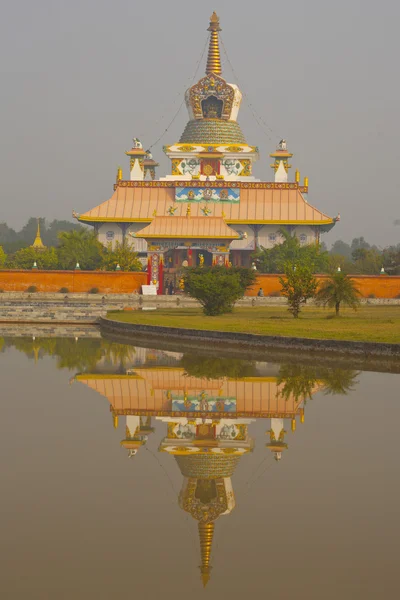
[(139, 472)]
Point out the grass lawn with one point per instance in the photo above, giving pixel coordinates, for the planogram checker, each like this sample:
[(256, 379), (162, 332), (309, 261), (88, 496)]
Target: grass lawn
[(368, 324)]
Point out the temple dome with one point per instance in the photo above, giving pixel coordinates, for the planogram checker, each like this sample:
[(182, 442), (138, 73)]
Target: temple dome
[(207, 466), (212, 131)]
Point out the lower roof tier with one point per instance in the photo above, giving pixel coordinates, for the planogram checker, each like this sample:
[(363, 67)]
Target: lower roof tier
[(253, 203)]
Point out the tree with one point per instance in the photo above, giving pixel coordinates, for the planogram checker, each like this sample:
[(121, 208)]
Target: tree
[(3, 258), (367, 261), (216, 367), (122, 255), (338, 289), (342, 248), (272, 260), (51, 231), (81, 247), (25, 257), (391, 260), (298, 285), (358, 243), (217, 288)]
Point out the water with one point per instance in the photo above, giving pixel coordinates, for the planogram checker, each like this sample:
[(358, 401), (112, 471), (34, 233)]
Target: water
[(311, 515)]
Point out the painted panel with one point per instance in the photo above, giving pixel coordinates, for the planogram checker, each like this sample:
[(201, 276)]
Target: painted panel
[(207, 194), (202, 403)]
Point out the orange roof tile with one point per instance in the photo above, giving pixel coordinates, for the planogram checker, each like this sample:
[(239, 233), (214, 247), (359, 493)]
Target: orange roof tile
[(255, 397), (188, 227), (257, 204)]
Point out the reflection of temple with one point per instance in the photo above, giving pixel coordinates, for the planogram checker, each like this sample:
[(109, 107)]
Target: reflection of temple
[(207, 428)]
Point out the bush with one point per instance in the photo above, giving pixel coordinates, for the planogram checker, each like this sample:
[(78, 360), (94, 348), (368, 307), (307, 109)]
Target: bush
[(217, 288), (63, 290), (93, 290), (31, 289), (275, 295), (298, 286)]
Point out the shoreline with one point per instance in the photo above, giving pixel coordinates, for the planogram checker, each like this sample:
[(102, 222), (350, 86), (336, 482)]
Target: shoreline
[(241, 341)]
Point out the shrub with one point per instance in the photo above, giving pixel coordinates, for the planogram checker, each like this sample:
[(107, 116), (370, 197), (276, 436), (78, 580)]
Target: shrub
[(371, 296), (63, 290), (94, 290), (275, 295), (298, 285), (31, 289), (217, 288)]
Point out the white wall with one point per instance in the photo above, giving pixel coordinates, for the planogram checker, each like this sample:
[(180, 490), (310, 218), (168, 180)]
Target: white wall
[(110, 228)]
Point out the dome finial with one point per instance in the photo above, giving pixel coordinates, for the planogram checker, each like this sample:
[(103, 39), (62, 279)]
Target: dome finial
[(206, 532), (214, 59)]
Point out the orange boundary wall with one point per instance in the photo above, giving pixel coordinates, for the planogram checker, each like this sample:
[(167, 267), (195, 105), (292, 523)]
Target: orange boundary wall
[(111, 282), (380, 286), (107, 282)]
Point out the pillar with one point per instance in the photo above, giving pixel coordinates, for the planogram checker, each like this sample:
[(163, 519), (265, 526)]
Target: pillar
[(160, 290)]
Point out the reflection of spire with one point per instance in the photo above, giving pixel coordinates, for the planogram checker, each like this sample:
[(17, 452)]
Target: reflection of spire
[(206, 533), (214, 59)]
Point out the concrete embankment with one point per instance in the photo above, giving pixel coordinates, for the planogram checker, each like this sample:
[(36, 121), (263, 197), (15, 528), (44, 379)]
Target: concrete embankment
[(19, 307), (314, 347)]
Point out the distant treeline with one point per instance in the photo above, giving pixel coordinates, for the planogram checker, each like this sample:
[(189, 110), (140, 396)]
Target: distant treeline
[(12, 240)]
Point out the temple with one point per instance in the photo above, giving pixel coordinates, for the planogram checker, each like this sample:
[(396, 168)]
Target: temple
[(210, 209)]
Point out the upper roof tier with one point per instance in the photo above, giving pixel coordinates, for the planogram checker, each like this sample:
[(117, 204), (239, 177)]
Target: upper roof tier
[(259, 203)]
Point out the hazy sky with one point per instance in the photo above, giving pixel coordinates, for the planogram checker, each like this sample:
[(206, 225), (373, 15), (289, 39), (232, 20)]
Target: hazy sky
[(80, 78)]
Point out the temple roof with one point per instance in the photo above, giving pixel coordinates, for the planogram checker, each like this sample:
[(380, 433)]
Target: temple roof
[(145, 393), (259, 203), (188, 227)]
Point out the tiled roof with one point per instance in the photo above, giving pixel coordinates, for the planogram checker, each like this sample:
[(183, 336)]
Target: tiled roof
[(145, 391), (188, 227), (280, 206)]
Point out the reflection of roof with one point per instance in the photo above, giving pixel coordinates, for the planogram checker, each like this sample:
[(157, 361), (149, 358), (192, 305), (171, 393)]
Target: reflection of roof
[(212, 131), (147, 393), (188, 227), (280, 203)]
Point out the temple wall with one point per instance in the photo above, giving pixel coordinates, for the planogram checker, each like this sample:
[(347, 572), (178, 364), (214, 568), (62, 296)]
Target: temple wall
[(107, 282), (111, 282), (370, 286)]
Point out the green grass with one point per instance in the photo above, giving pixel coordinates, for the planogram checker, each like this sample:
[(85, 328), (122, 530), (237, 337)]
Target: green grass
[(368, 324)]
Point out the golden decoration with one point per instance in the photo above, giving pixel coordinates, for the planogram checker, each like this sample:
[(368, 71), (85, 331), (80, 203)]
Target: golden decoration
[(214, 59), (175, 166), (206, 534), (208, 170)]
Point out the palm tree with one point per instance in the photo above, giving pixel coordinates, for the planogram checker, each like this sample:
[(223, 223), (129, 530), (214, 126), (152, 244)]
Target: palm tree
[(336, 290)]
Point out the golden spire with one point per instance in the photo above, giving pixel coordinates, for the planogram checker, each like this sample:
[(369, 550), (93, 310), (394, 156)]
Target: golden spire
[(214, 59), (206, 533), (38, 244)]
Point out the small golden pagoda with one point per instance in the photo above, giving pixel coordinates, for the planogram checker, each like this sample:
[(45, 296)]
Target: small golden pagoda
[(38, 244)]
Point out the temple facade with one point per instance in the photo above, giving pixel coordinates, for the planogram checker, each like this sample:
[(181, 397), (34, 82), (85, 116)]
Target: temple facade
[(210, 209)]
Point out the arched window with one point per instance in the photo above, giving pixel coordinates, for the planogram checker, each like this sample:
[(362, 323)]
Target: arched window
[(303, 239), (212, 108), (272, 238)]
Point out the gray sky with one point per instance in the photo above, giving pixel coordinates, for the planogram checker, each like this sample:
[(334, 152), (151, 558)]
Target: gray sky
[(80, 78)]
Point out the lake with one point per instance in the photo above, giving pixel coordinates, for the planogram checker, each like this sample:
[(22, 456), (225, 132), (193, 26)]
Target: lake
[(143, 471)]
